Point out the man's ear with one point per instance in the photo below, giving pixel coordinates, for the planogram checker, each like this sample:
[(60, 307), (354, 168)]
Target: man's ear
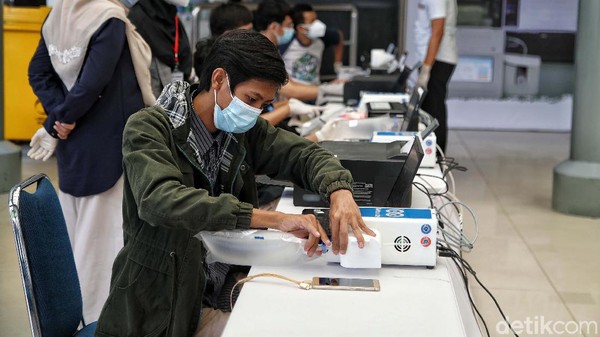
[(272, 26), (218, 78)]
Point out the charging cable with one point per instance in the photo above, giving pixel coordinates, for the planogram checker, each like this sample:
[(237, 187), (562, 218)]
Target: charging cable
[(306, 285)]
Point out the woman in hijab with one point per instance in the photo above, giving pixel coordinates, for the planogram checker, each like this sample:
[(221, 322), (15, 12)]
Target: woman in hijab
[(158, 23), (90, 73)]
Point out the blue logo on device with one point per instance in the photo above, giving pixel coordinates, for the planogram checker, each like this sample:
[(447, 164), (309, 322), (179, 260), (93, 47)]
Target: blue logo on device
[(390, 212), (425, 229)]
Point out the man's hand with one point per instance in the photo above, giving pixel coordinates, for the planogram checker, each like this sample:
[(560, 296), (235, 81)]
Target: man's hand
[(42, 145), (63, 129), (332, 88), (327, 131), (305, 226), (423, 79), (344, 213), (298, 107)]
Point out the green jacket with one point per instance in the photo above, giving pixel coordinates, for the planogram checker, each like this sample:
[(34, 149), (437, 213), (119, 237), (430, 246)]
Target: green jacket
[(158, 278)]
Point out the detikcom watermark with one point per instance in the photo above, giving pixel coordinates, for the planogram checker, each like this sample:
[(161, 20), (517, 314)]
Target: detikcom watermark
[(538, 325)]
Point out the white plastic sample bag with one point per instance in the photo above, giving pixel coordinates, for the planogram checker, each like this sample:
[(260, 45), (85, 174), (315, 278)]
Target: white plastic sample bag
[(254, 248)]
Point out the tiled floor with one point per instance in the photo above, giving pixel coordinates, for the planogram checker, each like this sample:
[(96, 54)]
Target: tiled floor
[(540, 265)]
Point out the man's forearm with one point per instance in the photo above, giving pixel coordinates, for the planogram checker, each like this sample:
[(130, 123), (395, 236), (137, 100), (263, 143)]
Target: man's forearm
[(437, 32)]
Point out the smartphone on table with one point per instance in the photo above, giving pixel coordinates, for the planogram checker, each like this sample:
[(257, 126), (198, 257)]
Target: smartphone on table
[(340, 283)]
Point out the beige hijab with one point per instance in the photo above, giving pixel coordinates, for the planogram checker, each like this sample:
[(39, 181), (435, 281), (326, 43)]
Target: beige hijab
[(67, 32)]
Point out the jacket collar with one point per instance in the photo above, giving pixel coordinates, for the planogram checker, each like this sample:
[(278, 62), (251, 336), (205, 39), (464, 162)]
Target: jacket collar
[(176, 101)]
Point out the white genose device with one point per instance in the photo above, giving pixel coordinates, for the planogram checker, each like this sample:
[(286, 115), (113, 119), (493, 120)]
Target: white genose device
[(407, 237)]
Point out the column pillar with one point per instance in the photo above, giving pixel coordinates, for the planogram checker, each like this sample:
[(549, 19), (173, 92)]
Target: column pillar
[(576, 188)]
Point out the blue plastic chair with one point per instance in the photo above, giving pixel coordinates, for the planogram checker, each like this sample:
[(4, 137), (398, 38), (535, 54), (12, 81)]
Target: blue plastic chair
[(46, 261)]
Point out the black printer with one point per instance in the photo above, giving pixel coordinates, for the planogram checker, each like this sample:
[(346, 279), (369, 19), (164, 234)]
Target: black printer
[(383, 172)]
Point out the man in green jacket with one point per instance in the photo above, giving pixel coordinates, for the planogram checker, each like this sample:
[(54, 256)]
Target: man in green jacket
[(189, 165)]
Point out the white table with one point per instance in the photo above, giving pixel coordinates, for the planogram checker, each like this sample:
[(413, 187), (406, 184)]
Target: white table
[(413, 301)]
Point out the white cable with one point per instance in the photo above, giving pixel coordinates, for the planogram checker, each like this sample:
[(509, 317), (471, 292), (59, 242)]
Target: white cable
[(452, 196), (470, 212), (452, 184), (457, 237), (453, 231), (471, 241)]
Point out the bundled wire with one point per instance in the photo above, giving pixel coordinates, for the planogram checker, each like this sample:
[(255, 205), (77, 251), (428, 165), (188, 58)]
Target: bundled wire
[(453, 234)]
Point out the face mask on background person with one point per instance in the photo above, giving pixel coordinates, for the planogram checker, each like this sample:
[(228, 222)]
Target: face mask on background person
[(182, 3), (288, 35), (237, 117), (316, 29), (129, 3)]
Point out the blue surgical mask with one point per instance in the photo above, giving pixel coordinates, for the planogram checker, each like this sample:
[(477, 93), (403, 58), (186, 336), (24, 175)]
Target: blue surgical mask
[(288, 35), (237, 117)]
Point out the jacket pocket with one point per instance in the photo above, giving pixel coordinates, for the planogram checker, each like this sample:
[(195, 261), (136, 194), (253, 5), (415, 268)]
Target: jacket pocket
[(140, 302)]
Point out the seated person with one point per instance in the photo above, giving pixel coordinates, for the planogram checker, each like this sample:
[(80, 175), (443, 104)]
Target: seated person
[(225, 17), (234, 15), (228, 16), (189, 164), (272, 18), (302, 57)]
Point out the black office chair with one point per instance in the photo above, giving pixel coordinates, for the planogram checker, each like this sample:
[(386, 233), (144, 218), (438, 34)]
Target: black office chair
[(50, 279)]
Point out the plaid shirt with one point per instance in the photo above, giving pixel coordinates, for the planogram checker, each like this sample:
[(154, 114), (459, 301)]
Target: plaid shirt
[(208, 150), (211, 153)]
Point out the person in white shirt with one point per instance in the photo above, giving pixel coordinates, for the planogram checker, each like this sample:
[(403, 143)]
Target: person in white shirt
[(435, 34), (303, 56)]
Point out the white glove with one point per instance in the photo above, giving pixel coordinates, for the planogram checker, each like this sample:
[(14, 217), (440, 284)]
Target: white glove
[(336, 89), (42, 145), (424, 76), (337, 66), (298, 107), (327, 131)]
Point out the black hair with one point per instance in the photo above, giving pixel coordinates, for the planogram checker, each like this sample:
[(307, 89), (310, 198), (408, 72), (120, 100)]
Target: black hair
[(202, 50), (297, 13), (270, 11), (245, 55), (229, 16), (286, 6)]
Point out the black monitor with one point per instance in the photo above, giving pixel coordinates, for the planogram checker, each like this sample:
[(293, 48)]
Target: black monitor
[(430, 128), (411, 117), (400, 85), (373, 83), (395, 82), (383, 172)]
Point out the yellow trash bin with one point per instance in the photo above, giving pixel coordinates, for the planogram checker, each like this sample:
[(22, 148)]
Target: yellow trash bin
[(23, 113)]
